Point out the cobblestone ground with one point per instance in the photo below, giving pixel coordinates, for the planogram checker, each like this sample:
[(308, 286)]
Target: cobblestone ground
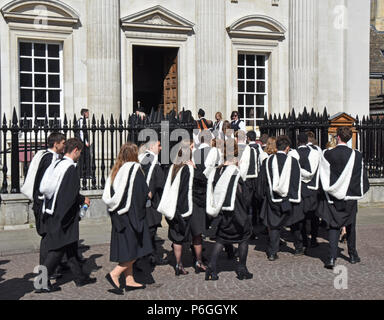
[(290, 277)]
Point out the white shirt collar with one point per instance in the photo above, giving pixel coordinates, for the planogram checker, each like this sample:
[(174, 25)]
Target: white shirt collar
[(69, 159), (281, 152), (203, 145), (56, 155), (302, 146)]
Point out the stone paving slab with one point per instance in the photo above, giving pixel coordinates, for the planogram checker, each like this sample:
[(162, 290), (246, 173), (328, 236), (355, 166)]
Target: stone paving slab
[(290, 277)]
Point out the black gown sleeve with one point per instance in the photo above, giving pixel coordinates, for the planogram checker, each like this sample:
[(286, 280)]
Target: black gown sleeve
[(262, 184)]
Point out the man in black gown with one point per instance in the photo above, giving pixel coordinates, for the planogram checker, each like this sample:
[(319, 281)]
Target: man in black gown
[(60, 188), (280, 192), (344, 181)]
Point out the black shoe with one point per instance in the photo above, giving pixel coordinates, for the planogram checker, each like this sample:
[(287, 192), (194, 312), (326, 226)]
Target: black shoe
[(343, 239), (273, 257), (330, 263), (179, 270), (199, 267), (129, 288), (244, 274), (354, 258), (299, 252), (161, 261), (211, 275), (56, 276), (85, 281), (51, 288), (314, 243), (116, 290)]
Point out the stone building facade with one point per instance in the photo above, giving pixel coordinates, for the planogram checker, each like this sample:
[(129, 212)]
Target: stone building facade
[(221, 55)]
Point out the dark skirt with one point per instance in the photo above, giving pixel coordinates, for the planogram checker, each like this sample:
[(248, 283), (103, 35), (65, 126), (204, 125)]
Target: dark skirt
[(198, 221), (127, 245), (179, 230)]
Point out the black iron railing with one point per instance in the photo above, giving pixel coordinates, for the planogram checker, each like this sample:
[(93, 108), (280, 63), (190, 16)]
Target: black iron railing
[(369, 141), (21, 139)]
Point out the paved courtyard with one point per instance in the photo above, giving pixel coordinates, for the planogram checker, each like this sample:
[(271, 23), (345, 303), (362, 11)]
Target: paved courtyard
[(290, 277)]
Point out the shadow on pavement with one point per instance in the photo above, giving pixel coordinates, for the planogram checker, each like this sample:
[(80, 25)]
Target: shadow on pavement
[(3, 271), (17, 288)]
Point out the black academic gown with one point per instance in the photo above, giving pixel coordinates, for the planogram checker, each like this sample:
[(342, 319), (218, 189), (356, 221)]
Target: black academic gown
[(309, 196), (342, 213), (277, 215), (179, 230), (233, 226), (199, 221), (130, 238), (63, 226), (45, 162), (156, 185)]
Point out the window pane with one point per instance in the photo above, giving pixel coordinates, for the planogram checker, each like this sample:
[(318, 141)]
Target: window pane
[(40, 65), (53, 81), (251, 113), (241, 73), (250, 60), (54, 66), (261, 74), (25, 64), (26, 109), (241, 113), (241, 60), (260, 61), (250, 73), (251, 86), (260, 100), (40, 80), (25, 80), (261, 86), (40, 110), (54, 110), (25, 49), (25, 95), (54, 96), (241, 86), (260, 112), (241, 99), (250, 100), (39, 50), (40, 96), (53, 50)]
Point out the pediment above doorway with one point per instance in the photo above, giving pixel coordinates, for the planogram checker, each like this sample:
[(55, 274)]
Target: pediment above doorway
[(157, 19), (257, 27)]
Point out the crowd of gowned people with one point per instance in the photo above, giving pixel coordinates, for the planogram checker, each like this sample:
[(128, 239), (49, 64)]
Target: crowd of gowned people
[(221, 186)]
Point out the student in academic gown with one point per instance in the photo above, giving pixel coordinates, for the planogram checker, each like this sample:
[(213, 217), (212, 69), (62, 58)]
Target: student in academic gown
[(250, 164), (177, 202), (309, 159), (40, 163), (60, 188), (126, 194), (344, 181), (280, 192), (155, 179), (228, 198)]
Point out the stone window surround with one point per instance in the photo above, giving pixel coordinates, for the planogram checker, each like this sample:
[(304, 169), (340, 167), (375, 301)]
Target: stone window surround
[(58, 30), (255, 42)]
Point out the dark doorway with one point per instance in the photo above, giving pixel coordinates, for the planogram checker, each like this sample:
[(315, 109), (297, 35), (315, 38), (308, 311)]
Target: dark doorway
[(155, 78)]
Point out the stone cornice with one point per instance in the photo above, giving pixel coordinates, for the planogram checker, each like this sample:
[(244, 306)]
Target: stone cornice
[(57, 13), (157, 19), (269, 28)]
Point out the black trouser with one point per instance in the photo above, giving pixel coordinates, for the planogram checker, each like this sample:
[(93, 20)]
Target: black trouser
[(334, 235), (274, 238), (315, 222), (54, 258), (152, 233), (43, 249), (218, 248)]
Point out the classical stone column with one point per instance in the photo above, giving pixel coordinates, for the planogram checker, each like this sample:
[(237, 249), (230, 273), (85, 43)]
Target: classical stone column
[(210, 56), (103, 61), (303, 54)]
